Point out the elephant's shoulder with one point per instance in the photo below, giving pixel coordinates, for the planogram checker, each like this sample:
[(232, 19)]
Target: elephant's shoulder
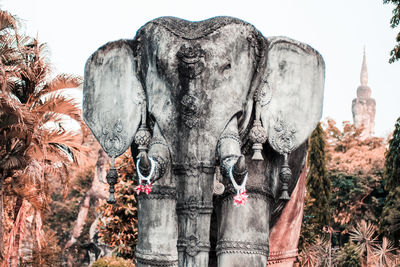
[(194, 29)]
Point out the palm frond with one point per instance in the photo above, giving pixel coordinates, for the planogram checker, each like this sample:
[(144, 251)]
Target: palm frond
[(7, 21), (385, 253), (58, 103), (52, 145), (364, 236), (61, 81), (51, 106), (13, 111)]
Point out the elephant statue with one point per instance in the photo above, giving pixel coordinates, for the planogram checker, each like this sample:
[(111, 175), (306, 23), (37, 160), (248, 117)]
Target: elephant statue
[(217, 117)]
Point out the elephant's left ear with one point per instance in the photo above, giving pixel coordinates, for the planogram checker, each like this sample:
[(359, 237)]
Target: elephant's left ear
[(294, 83), (113, 97)]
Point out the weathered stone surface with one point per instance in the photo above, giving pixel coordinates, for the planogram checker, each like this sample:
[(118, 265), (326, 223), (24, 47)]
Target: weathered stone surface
[(295, 74), (363, 107), (113, 97), (199, 87)]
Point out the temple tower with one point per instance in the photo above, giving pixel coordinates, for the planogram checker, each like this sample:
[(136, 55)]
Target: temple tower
[(363, 107)]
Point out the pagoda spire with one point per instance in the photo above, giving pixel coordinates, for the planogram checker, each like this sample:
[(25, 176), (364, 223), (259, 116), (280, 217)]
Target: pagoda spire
[(364, 71), (363, 107)]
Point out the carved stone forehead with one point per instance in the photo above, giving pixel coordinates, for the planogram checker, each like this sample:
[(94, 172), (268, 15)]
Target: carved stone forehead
[(193, 30)]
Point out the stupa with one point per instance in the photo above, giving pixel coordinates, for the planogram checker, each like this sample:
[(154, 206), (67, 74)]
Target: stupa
[(363, 107)]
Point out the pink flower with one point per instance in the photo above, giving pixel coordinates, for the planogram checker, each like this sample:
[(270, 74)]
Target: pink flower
[(143, 188), (240, 198), (147, 189), (139, 188)]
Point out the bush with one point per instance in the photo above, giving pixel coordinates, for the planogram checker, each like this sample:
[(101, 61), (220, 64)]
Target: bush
[(112, 262), (349, 256)]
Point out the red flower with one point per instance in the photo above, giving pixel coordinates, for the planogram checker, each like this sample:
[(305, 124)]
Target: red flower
[(140, 188), (240, 198), (147, 189), (143, 188)]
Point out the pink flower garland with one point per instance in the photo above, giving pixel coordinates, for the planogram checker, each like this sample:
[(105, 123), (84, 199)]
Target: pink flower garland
[(240, 199), (144, 188)]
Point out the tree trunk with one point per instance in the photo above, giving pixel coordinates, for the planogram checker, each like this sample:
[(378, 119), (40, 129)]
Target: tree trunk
[(14, 242), (1, 219), (96, 193)]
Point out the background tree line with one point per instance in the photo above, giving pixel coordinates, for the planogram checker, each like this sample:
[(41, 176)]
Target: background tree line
[(351, 215)]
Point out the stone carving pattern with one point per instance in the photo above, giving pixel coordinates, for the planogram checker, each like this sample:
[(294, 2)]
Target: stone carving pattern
[(219, 187), (159, 192), (253, 192), (191, 59), (190, 110), (192, 245), (245, 247), (156, 260), (263, 95), (112, 136), (258, 133), (191, 31), (160, 168), (192, 168), (281, 256), (193, 207), (283, 139), (142, 138), (233, 136)]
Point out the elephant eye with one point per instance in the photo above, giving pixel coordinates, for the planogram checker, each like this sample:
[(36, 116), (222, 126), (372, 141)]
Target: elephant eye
[(225, 67)]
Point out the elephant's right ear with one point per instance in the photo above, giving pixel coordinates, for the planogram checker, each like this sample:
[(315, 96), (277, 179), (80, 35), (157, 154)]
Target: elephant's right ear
[(113, 96), (294, 76)]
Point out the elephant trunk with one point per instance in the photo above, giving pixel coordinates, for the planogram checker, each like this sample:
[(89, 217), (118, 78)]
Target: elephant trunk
[(194, 209)]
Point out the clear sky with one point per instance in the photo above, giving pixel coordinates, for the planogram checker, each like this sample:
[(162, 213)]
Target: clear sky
[(338, 29)]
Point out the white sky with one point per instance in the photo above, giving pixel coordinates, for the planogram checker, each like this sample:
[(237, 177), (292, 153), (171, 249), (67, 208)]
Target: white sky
[(338, 29)]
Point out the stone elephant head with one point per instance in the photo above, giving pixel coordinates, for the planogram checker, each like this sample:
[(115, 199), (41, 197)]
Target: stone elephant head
[(194, 100)]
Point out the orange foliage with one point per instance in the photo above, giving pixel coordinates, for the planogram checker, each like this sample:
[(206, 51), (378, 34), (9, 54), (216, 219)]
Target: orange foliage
[(349, 153)]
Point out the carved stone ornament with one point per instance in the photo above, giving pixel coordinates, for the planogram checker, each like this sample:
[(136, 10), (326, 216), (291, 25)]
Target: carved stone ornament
[(187, 30), (192, 245), (159, 192), (193, 207), (276, 257), (283, 138), (258, 136), (112, 177), (155, 260), (191, 60), (285, 175), (283, 142), (112, 138), (142, 138), (219, 187), (258, 133), (245, 247), (263, 94), (191, 107)]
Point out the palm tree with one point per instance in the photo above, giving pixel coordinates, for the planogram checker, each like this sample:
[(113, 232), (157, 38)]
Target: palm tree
[(36, 148), (8, 23), (315, 254), (384, 253), (363, 235)]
